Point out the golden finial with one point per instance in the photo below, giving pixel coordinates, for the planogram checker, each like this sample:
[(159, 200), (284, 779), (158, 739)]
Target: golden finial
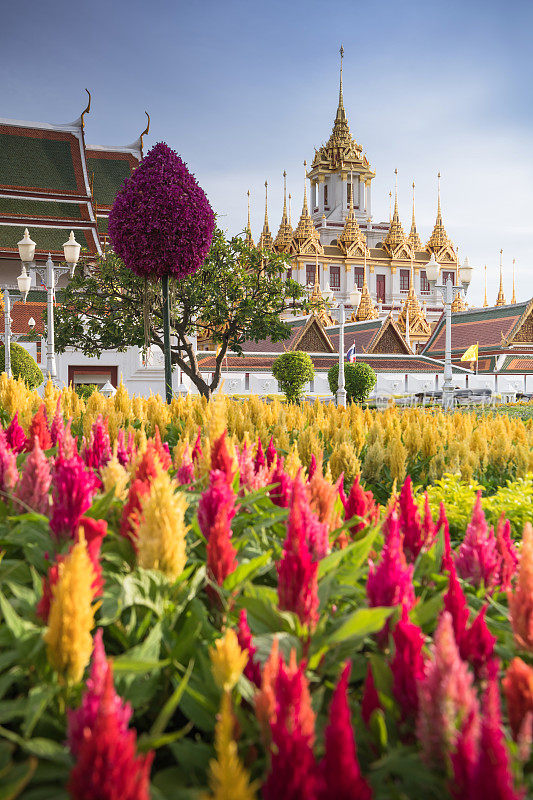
[(439, 237), (266, 203), (145, 132), (501, 297), (248, 239), (414, 238), (284, 236), (305, 185), (390, 207), (290, 198), (285, 193), (86, 109), (341, 100), (485, 303), (513, 299), (438, 193), (351, 194)]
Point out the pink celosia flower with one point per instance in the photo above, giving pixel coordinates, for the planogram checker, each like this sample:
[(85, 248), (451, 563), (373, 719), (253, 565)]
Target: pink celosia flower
[(271, 453), (8, 465), (455, 603), (221, 458), (521, 600), (342, 779), (260, 461), (478, 560), (442, 522), (15, 436), (370, 701), (445, 695), (312, 466), (85, 716), (410, 523), (390, 582), (107, 765), (162, 449), (32, 489), (297, 570), (465, 756), (252, 669), (407, 666), (493, 778), (477, 647), (58, 425), (245, 460), (97, 451), (218, 498), (197, 449), (293, 771), (314, 525), (185, 474), (73, 488), (508, 554), (122, 449), (280, 494), (359, 503), (39, 429), (67, 444)]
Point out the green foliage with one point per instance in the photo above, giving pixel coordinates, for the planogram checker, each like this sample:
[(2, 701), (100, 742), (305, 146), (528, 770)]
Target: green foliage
[(85, 390), (359, 380), (293, 370), (238, 294), (23, 365)]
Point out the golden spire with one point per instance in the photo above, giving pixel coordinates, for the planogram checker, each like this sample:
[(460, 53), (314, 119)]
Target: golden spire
[(248, 239), (513, 299), (351, 233), (317, 300), (458, 301), (366, 309), (265, 240), (485, 303), (439, 237), (341, 131), (395, 236), (290, 198), (414, 238), (411, 314), (284, 236), (501, 297), (305, 230), (390, 207)]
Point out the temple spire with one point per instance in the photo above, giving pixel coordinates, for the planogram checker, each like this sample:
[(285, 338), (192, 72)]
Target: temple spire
[(413, 238), (513, 298), (485, 303), (284, 235), (366, 309), (248, 239), (458, 302), (265, 240), (305, 234), (341, 99), (290, 198), (395, 236), (501, 297), (439, 237)]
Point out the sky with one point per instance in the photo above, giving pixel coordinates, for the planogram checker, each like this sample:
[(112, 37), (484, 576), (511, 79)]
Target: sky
[(245, 90)]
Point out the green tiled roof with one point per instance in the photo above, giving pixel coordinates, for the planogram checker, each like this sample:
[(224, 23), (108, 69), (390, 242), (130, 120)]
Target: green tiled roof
[(46, 238), (43, 163), (109, 175), (39, 208), (102, 224)]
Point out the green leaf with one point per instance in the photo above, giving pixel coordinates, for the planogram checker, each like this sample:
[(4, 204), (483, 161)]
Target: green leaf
[(354, 555), (38, 699), (18, 626), (172, 703), (246, 570), (362, 622), (139, 666), (17, 778)]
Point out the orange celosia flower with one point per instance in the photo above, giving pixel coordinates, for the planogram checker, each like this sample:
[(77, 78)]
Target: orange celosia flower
[(521, 600), (518, 689)]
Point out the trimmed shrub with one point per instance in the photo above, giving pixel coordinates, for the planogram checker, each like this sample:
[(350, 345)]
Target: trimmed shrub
[(293, 370), (359, 380), (23, 365)]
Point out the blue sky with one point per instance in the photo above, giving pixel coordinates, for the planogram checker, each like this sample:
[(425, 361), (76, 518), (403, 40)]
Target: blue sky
[(244, 90)]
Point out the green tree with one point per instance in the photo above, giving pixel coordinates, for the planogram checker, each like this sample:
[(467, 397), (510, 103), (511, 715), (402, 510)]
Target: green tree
[(359, 380), (23, 365), (238, 294), (293, 370)]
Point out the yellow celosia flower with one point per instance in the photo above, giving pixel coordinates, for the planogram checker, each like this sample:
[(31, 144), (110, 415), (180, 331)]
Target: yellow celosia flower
[(227, 660), (161, 534), (68, 639), (115, 477), (228, 779)]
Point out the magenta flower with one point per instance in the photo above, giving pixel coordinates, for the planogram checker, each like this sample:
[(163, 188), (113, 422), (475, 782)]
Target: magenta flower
[(342, 779), (407, 666), (280, 494), (455, 603), (478, 560), (16, 438), (446, 696), (312, 466), (252, 669), (73, 489), (218, 498), (58, 425), (508, 555), (8, 465), (465, 756), (97, 451), (359, 503), (442, 522), (271, 453), (161, 222), (260, 461), (32, 489), (185, 474), (126, 451)]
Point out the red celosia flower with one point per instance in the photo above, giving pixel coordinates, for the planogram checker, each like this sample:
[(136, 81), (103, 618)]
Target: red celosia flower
[(161, 222), (465, 756), (477, 646), (39, 429), (478, 560), (132, 510), (271, 453), (280, 494), (455, 603), (493, 778), (94, 531), (360, 504), (97, 451), (197, 449), (218, 498), (297, 570), (518, 688), (442, 522), (148, 465), (370, 701), (312, 466), (125, 451), (390, 582), (221, 458), (293, 771), (216, 514), (521, 600), (259, 456), (15, 436), (73, 488), (407, 666), (417, 534), (48, 582), (32, 489), (252, 669), (107, 765), (508, 554), (162, 449), (8, 465), (85, 716), (342, 779), (265, 699)]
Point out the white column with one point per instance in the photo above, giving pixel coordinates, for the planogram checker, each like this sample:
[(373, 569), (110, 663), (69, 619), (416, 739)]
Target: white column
[(361, 194), (368, 200)]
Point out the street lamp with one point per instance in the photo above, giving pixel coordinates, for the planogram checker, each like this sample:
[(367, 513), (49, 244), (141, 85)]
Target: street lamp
[(448, 292), (49, 274), (108, 390), (23, 281), (354, 298)]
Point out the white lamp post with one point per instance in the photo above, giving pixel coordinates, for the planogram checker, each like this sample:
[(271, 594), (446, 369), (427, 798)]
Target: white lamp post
[(448, 292), (23, 281), (49, 275), (354, 298), (108, 390)]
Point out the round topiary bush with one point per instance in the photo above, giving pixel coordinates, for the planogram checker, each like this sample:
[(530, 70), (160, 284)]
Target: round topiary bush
[(293, 370), (23, 365), (359, 380)]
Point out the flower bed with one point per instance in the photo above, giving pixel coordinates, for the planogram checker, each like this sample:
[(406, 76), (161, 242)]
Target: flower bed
[(195, 602)]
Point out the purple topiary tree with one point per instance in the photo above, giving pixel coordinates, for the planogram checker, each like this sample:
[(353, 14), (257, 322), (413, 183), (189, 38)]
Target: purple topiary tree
[(161, 222)]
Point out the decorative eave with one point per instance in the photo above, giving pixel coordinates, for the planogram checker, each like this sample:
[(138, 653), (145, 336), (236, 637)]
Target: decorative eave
[(314, 320), (388, 322), (508, 340)]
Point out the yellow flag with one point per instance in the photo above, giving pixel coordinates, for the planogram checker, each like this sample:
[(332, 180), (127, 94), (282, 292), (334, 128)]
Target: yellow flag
[(471, 354)]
